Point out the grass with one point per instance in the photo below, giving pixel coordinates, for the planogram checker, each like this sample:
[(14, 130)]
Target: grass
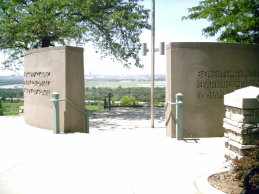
[(93, 107), (12, 108), (9, 108)]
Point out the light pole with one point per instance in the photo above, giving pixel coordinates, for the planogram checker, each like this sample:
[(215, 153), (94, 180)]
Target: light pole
[(153, 50), (152, 64)]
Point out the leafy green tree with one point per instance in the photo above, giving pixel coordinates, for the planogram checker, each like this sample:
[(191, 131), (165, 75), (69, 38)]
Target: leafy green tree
[(234, 20), (113, 26), (128, 100), (141, 94)]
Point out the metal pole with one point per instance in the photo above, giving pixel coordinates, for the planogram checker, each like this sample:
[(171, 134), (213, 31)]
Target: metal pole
[(152, 63), (109, 100), (179, 116), (104, 103), (55, 112), (1, 111)]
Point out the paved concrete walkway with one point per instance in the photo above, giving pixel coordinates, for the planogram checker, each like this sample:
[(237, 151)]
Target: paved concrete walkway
[(125, 118), (136, 159)]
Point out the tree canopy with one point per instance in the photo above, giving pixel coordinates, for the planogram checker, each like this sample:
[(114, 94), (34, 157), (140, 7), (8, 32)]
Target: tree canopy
[(113, 26), (234, 20)]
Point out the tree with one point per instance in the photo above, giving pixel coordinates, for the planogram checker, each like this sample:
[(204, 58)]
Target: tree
[(128, 100), (113, 26), (235, 20)]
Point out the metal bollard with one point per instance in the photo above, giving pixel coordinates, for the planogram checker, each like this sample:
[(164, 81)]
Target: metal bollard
[(109, 100), (179, 116), (55, 112)]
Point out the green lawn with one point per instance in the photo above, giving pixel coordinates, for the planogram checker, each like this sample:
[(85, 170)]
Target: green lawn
[(93, 107), (9, 108), (13, 108)]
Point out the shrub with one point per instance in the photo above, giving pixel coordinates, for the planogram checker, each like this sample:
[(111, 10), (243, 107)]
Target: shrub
[(243, 165), (128, 100)]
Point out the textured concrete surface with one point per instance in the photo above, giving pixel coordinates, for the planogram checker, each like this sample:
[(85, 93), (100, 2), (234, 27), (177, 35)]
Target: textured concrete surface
[(54, 69), (203, 72), (135, 159)]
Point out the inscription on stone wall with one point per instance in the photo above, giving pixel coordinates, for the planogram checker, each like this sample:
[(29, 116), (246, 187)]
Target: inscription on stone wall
[(37, 83), (215, 84)]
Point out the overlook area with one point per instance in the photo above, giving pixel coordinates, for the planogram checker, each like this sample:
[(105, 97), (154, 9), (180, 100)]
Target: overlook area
[(122, 154)]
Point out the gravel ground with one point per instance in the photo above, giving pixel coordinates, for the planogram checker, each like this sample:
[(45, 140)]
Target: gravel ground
[(226, 182)]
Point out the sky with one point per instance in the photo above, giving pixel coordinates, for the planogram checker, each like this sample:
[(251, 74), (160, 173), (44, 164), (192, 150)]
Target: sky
[(169, 28)]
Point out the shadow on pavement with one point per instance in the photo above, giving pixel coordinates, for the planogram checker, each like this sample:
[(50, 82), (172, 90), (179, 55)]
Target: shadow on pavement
[(124, 118)]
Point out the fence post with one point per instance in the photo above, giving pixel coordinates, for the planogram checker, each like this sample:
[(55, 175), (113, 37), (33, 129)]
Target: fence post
[(1, 111), (109, 100), (104, 103), (179, 116), (55, 112)]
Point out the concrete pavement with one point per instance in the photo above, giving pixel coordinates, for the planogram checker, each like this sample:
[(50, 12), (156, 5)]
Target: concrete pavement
[(134, 159)]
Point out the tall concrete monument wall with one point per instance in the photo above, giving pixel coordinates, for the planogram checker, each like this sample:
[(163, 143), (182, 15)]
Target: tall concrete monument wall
[(203, 73), (54, 69)]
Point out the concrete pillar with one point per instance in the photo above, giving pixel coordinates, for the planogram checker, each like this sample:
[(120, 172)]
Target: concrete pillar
[(241, 121), (203, 73), (54, 69)]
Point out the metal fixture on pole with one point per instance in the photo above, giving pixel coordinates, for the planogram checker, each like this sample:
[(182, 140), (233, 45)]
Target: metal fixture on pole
[(153, 50)]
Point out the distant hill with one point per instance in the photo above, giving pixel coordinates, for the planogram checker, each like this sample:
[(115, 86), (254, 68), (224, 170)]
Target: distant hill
[(9, 80), (123, 77)]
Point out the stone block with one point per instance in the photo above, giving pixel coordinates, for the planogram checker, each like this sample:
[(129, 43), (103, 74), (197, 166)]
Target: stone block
[(204, 73), (241, 128), (237, 147), (231, 122), (54, 69), (228, 114), (237, 117), (253, 131), (226, 135), (244, 98), (235, 110), (232, 135), (240, 116), (243, 139), (228, 123), (248, 126), (230, 155), (234, 128), (251, 137)]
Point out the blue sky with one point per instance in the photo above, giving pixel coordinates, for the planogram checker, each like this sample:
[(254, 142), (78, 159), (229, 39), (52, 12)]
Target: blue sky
[(169, 28)]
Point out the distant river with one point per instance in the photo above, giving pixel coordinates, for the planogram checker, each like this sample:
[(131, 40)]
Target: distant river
[(12, 86)]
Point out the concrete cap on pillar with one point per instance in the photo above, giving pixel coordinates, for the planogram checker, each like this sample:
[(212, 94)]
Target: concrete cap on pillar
[(244, 98)]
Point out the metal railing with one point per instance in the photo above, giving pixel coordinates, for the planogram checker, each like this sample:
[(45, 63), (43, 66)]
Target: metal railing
[(55, 112), (178, 115)]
